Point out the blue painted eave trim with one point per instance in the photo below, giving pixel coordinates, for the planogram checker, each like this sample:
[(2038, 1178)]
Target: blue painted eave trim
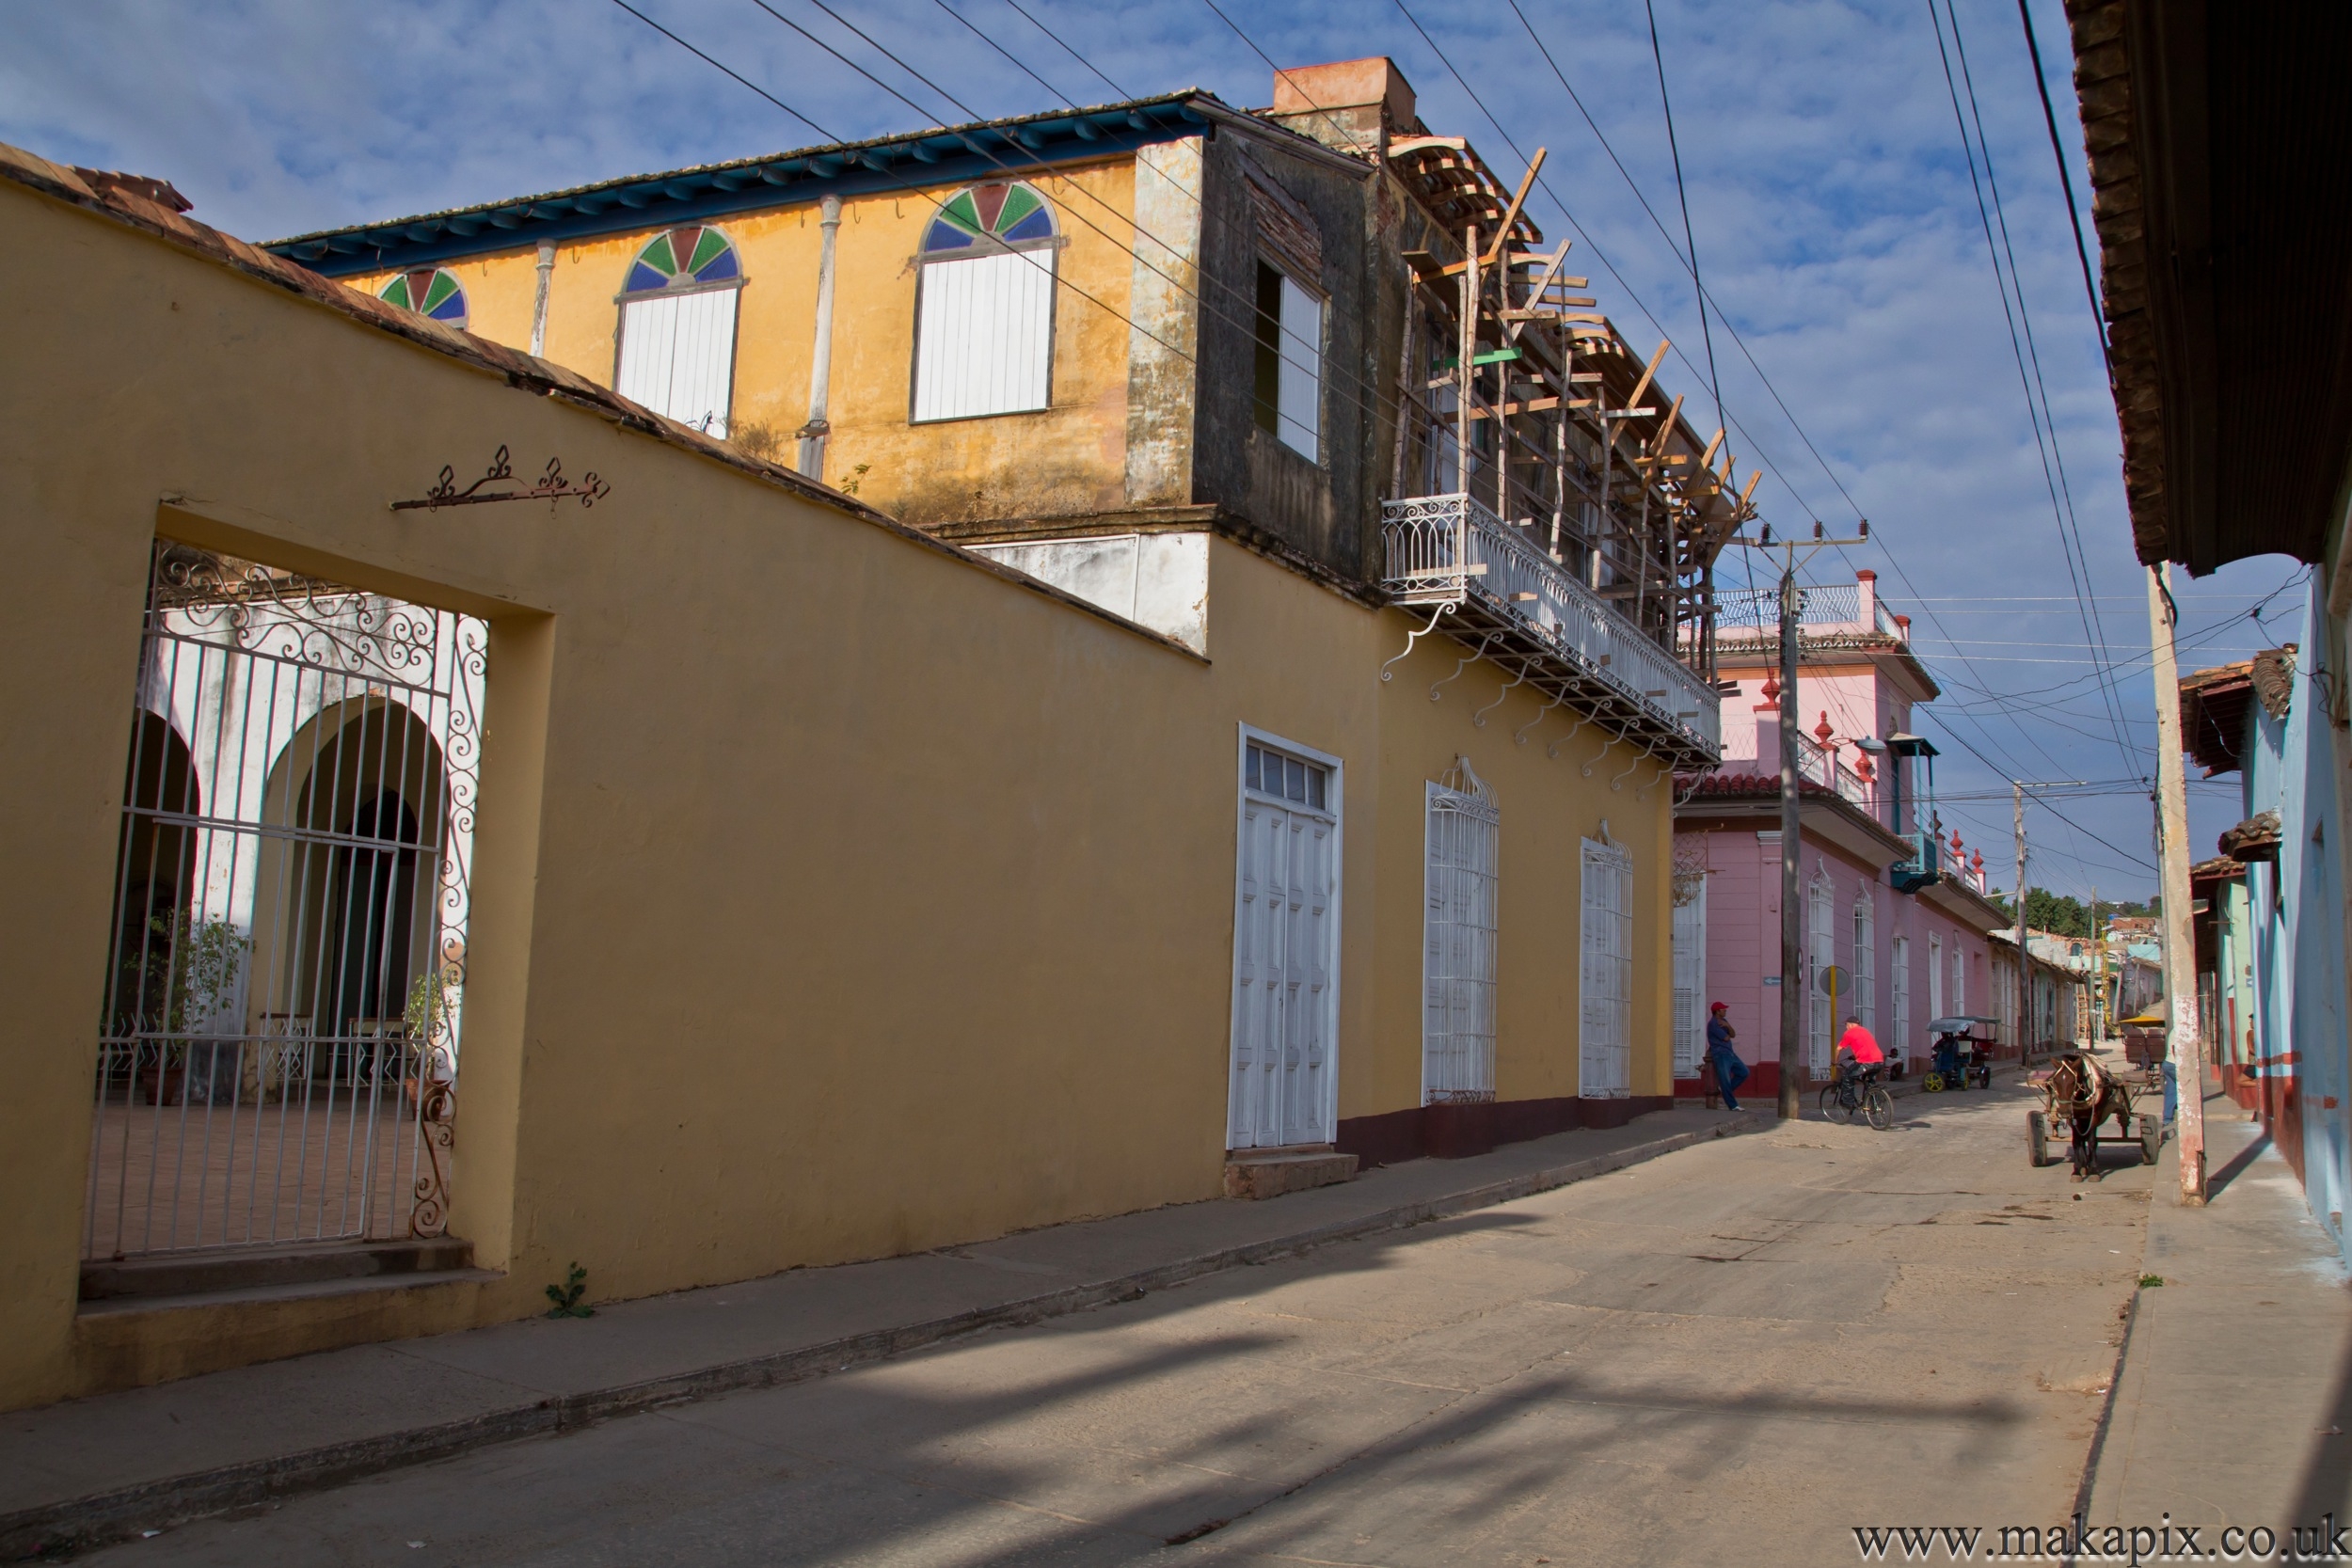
[(930, 159)]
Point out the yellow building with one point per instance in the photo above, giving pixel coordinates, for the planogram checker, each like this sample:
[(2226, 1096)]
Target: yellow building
[(793, 886)]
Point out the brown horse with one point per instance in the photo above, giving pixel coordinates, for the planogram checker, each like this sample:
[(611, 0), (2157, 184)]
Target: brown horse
[(2082, 1095)]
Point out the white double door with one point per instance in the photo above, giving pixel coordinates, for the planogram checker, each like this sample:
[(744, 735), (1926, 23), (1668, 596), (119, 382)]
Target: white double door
[(1285, 929)]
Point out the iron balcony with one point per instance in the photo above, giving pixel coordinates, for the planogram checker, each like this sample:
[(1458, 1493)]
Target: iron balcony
[(1494, 592)]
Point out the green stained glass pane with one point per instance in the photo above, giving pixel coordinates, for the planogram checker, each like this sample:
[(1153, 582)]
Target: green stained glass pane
[(706, 250), (960, 213), (658, 257), (396, 293), (1019, 203), (443, 286)]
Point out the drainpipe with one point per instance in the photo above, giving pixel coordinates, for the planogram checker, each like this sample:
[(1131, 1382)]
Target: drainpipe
[(539, 302), (813, 433)]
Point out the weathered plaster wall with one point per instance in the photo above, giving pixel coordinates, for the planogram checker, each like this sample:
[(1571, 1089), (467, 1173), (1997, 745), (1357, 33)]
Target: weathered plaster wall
[(1327, 508), (1065, 459)]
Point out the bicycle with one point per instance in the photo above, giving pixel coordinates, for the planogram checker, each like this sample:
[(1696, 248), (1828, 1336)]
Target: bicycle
[(1858, 1093)]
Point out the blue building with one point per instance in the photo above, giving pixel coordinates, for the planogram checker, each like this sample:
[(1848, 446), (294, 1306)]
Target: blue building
[(2270, 931), (2220, 154)]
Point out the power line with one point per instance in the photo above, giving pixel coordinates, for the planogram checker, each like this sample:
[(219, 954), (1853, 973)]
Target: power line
[(1885, 548), (2073, 213), (1682, 192), (2057, 456), (2011, 318)]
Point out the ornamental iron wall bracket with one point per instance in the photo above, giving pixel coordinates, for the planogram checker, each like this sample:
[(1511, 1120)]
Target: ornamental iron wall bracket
[(550, 486)]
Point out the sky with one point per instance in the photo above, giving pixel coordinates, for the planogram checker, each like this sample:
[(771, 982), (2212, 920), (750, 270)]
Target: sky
[(1837, 226)]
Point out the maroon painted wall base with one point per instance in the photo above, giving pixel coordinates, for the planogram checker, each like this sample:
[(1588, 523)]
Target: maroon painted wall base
[(1456, 1131)]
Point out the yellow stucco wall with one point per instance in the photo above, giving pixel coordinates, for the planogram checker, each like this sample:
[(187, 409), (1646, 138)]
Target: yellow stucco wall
[(834, 896), (1066, 459)]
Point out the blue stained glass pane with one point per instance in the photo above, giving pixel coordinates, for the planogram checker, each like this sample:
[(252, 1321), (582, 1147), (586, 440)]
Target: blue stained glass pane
[(719, 266), (642, 276), (450, 309), (1037, 226), (943, 235)]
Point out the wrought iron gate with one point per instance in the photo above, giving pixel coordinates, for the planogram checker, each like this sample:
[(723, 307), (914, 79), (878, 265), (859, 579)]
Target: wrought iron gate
[(277, 1054)]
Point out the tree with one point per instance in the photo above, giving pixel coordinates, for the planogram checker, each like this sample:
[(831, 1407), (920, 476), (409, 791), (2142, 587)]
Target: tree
[(2054, 912)]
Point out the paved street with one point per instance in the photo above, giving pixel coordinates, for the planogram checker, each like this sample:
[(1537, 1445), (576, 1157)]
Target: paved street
[(1737, 1352)]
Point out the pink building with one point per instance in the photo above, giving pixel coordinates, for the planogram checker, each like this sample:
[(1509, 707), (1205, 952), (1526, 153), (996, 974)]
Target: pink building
[(1905, 957)]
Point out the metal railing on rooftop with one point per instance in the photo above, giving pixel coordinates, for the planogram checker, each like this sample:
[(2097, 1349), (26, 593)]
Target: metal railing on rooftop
[(1449, 549), (1836, 607)]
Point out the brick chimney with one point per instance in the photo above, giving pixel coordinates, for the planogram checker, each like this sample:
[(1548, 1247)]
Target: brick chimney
[(1352, 104)]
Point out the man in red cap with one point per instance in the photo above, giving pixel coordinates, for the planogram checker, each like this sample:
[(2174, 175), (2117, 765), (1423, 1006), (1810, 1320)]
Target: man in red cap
[(1730, 1071)]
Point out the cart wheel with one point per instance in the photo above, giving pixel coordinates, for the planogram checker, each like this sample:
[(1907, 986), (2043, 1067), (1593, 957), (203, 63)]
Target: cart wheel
[(2037, 1138), (1933, 1083), (2151, 1138)]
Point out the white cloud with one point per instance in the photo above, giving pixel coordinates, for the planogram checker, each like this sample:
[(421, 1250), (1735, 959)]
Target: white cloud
[(1832, 212)]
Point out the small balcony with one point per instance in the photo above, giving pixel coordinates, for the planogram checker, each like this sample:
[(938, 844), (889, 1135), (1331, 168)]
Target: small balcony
[(1824, 765), (1507, 597)]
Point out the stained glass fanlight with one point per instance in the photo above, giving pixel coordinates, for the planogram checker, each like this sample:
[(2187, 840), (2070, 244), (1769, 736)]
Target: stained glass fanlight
[(430, 292), (680, 258), (1010, 211)]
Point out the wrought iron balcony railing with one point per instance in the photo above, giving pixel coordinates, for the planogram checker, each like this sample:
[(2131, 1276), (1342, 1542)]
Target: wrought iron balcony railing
[(1449, 550)]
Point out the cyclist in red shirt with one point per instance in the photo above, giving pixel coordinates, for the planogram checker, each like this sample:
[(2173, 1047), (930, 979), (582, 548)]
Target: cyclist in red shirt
[(1856, 1049)]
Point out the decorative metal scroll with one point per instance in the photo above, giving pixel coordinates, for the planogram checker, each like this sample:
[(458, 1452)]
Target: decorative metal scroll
[(550, 486), (301, 620)]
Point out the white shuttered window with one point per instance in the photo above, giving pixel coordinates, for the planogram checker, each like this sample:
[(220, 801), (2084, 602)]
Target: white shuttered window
[(1606, 1017), (984, 336), (677, 356)]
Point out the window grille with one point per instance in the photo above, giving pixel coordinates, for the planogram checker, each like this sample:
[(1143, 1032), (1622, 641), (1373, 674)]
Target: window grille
[(1935, 977), (1866, 960), (677, 353), (1690, 961), (984, 312), (1821, 953), (1458, 931), (1289, 391), (1898, 1042), (1605, 1021)]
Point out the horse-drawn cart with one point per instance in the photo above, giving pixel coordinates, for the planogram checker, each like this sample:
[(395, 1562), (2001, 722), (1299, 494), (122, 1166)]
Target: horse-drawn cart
[(2079, 1094)]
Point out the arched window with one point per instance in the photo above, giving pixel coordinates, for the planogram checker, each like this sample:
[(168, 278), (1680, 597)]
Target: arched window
[(677, 352), (433, 293), (984, 310)]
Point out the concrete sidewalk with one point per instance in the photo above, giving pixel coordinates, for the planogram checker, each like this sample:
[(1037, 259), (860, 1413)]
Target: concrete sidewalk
[(94, 1469), (2233, 1405)]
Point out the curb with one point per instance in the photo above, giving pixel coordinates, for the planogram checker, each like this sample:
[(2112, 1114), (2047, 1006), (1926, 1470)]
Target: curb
[(102, 1517)]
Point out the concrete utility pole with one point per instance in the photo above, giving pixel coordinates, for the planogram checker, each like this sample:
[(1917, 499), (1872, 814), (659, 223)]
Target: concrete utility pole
[(2025, 984), (1792, 995), (2025, 980), (1792, 987), (2185, 1049), (2098, 974)]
